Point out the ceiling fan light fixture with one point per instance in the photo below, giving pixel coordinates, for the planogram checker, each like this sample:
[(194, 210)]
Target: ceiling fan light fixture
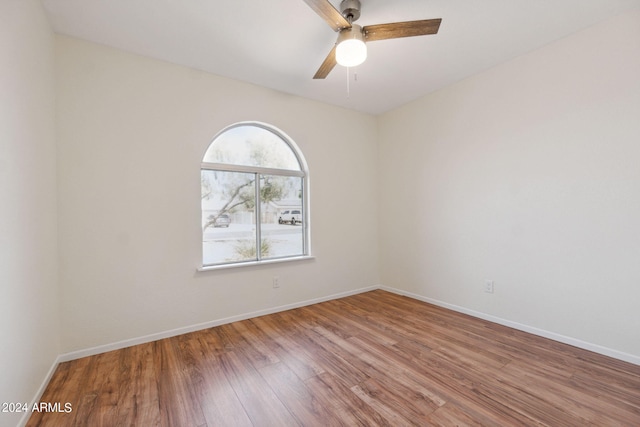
[(351, 50)]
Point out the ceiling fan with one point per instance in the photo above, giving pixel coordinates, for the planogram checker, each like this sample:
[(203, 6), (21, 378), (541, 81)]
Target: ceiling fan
[(350, 49)]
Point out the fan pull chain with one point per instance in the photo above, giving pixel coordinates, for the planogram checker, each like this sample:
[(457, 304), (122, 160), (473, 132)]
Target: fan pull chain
[(355, 79)]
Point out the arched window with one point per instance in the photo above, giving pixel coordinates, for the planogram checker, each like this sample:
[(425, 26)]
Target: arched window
[(254, 197)]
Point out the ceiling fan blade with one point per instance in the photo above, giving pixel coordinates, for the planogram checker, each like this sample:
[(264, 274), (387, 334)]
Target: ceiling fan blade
[(329, 14), (327, 65), (401, 29)]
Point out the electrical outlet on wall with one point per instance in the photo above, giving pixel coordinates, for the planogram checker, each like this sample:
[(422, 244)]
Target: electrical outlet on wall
[(276, 282), (488, 286)]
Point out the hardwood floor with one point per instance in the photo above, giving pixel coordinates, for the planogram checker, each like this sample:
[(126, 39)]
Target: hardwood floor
[(370, 359)]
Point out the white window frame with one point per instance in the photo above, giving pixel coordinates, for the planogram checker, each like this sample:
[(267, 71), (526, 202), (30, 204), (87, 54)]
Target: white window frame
[(302, 173)]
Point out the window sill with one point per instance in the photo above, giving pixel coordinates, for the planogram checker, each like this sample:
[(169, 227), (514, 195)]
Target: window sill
[(254, 263)]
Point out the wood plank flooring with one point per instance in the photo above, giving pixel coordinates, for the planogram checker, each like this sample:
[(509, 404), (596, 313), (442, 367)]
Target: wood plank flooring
[(373, 359)]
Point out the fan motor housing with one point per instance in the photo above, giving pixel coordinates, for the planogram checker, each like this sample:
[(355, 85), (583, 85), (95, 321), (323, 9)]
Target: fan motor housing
[(350, 9)]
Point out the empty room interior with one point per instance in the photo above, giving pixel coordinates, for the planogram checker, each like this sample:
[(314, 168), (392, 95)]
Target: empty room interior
[(455, 239)]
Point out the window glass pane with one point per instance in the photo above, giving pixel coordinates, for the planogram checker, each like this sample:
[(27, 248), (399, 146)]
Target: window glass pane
[(251, 146), (281, 216), (228, 217)]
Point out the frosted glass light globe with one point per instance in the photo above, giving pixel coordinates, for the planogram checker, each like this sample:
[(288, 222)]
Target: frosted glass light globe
[(351, 49)]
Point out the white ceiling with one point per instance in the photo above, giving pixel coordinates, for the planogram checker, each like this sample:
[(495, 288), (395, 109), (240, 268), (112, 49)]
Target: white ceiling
[(280, 43)]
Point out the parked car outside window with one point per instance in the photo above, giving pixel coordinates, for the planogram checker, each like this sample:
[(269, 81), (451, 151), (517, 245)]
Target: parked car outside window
[(292, 217), (221, 221)]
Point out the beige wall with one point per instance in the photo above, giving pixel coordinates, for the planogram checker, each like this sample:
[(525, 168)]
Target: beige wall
[(28, 256), (132, 132), (527, 174)]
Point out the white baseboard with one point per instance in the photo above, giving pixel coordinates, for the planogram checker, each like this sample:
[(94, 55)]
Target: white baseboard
[(171, 333), (179, 331), (43, 386), (525, 328), (184, 330)]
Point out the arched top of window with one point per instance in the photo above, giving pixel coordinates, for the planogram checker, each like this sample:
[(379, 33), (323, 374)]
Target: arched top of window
[(254, 145)]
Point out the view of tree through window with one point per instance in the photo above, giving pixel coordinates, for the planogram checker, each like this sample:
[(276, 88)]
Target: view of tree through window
[(253, 190)]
